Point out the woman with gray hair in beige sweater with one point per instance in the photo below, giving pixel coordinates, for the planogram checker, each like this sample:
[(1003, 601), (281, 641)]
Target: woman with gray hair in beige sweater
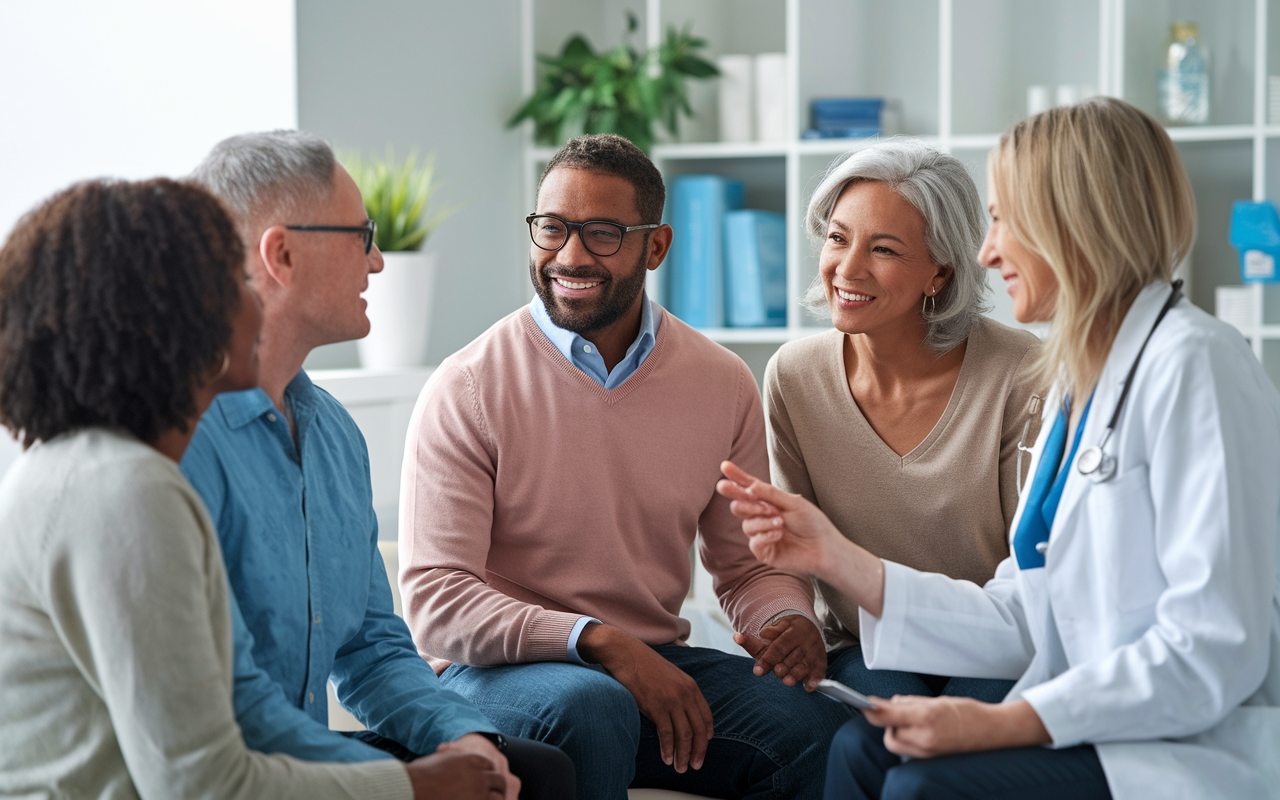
[(902, 422)]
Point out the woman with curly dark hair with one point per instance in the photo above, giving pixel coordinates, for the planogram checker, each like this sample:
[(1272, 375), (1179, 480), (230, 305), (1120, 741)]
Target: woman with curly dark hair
[(123, 312)]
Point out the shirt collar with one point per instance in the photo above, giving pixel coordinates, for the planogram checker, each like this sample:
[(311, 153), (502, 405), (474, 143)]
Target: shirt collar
[(564, 340), (240, 408)]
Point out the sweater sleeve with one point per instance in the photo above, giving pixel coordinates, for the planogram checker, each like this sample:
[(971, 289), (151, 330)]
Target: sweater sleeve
[(750, 593), (134, 589), (446, 520)]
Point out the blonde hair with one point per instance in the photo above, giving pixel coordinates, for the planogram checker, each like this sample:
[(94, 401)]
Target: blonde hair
[(1099, 192)]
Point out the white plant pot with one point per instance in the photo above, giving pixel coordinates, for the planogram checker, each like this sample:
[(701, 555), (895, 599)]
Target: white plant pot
[(399, 311)]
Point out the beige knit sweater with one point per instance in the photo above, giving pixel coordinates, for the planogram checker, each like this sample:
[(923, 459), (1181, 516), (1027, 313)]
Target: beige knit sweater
[(115, 639), (944, 507)]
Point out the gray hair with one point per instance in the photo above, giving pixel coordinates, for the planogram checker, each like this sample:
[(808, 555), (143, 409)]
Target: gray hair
[(939, 187), (264, 176)]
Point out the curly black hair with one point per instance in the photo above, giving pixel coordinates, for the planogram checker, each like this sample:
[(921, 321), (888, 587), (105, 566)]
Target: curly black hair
[(615, 155), (115, 298)]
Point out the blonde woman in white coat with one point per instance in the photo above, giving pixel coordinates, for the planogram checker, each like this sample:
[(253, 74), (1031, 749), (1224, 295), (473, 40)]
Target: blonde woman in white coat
[(1139, 608)]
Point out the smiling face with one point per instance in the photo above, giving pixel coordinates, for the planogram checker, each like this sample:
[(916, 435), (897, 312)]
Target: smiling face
[(1028, 278), (584, 292), (875, 264), (335, 267)]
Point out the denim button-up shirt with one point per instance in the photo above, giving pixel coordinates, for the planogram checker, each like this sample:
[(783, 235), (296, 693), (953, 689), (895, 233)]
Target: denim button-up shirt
[(299, 537)]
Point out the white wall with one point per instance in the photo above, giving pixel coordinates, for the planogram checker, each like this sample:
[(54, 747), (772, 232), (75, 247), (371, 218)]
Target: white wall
[(132, 89), (442, 77)]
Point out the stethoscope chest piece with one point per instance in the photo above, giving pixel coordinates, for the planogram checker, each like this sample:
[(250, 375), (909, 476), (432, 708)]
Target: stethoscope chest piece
[(1096, 465)]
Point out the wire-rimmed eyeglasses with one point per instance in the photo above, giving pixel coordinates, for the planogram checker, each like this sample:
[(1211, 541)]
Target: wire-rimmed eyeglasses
[(600, 237), (369, 228)]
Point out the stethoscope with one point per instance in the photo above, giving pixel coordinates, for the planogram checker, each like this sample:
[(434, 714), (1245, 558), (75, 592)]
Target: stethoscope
[(1094, 462)]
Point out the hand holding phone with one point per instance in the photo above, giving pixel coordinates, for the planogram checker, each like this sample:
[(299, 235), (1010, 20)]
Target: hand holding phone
[(838, 691)]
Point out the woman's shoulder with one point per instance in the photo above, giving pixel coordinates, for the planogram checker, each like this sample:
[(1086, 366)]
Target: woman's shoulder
[(800, 357), (999, 342)]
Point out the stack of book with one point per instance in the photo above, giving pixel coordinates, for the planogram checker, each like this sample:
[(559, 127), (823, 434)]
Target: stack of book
[(727, 265)]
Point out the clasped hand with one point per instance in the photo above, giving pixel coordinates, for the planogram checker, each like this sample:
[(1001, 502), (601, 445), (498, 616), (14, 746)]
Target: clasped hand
[(790, 648), (468, 768)]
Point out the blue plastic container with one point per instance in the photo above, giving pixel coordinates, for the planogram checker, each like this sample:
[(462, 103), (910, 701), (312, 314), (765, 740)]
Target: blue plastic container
[(1255, 232)]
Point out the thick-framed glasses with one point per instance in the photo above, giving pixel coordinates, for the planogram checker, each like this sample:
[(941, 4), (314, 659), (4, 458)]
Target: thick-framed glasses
[(369, 228), (601, 238)]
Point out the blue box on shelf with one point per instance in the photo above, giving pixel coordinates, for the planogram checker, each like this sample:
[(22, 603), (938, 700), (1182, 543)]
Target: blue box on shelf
[(1255, 232), (845, 117)]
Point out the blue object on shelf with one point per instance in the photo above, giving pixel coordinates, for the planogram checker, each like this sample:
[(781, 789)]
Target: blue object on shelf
[(696, 263), (845, 117), (755, 269), (841, 133), (1255, 232)]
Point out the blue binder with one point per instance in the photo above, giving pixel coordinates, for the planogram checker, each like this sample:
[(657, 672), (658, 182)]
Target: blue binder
[(755, 259), (695, 290)]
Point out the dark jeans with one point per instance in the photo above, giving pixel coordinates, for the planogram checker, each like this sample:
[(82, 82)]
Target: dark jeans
[(846, 665), (545, 773), (770, 739), (861, 768)]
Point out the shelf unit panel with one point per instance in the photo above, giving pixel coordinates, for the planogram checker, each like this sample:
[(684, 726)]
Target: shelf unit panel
[(867, 48), (704, 150), (1048, 44), (1221, 172), (1212, 133), (740, 26), (1228, 28)]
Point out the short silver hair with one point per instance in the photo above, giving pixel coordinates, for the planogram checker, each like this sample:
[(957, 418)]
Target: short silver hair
[(265, 177), (940, 188)]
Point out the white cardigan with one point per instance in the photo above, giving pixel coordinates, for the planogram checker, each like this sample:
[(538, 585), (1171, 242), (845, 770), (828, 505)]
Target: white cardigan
[(115, 639), (1153, 631)]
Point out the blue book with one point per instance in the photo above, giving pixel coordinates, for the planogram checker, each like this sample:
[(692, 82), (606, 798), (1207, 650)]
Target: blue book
[(695, 289), (755, 261)]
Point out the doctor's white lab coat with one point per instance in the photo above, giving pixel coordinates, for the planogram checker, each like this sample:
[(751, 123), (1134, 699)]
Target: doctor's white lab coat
[(1153, 630)]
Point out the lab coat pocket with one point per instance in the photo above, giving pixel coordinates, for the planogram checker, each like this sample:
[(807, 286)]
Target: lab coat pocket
[(1122, 536)]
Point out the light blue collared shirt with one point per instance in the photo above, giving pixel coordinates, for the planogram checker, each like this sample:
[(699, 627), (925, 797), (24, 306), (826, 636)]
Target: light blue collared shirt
[(310, 599), (583, 355)]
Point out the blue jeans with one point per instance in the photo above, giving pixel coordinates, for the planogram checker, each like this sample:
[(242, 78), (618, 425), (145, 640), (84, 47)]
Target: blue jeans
[(770, 741), (861, 768), (846, 665)]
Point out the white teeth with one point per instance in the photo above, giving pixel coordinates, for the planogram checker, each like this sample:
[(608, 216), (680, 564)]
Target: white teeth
[(860, 298), (572, 285)]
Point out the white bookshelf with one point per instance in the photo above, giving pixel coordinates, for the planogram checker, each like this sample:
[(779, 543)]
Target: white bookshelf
[(960, 69)]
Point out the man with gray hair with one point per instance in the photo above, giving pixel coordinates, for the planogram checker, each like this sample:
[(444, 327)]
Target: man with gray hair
[(284, 472)]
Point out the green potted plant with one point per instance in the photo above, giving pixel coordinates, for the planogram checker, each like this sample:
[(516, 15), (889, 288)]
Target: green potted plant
[(397, 196), (619, 91)]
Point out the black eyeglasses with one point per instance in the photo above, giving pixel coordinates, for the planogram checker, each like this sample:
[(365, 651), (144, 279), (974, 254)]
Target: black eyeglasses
[(369, 228), (599, 237)]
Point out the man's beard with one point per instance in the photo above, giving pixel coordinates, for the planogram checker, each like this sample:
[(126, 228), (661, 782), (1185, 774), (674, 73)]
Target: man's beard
[(617, 297)]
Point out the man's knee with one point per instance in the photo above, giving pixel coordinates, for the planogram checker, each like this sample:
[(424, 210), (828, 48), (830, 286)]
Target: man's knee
[(593, 705)]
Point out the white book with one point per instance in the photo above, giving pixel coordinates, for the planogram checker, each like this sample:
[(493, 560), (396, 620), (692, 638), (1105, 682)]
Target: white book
[(737, 109), (771, 97)]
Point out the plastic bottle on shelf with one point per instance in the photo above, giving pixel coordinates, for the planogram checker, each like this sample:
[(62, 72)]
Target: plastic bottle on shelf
[(1184, 82)]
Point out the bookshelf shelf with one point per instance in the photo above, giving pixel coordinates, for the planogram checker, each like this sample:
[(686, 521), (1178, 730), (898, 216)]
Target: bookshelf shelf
[(758, 335), (960, 70)]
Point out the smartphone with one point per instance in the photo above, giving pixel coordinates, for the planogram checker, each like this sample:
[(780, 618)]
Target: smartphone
[(838, 691)]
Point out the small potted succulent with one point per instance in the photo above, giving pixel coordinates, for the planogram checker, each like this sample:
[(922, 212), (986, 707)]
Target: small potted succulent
[(620, 91), (397, 195)]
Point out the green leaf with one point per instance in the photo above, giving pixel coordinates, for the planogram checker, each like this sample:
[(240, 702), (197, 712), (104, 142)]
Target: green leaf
[(397, 195)]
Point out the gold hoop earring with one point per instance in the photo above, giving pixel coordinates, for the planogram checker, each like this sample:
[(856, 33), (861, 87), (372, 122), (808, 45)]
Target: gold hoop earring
[(226, 365)]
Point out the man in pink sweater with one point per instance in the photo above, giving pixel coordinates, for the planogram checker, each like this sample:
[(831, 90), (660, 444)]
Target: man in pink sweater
[(556, 472)]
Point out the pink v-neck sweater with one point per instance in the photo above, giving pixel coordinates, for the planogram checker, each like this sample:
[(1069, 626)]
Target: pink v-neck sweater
[(532, 496)]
